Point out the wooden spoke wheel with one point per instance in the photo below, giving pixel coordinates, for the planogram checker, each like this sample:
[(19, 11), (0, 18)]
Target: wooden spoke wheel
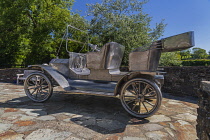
[(38, 87), (140, 97)]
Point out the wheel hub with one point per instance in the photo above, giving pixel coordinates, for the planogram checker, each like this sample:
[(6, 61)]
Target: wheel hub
[(140, 98), (38, 87)]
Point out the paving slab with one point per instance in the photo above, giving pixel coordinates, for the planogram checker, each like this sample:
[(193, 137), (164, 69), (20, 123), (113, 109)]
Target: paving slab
[(48, 134), (70, 116), (4, 127)]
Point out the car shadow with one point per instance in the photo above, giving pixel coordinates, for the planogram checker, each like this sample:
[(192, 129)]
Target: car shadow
[(184, 98), (102, 114)]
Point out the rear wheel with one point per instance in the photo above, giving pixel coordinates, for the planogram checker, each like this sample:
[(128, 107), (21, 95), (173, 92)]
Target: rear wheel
[(38, 87), (140, 97)]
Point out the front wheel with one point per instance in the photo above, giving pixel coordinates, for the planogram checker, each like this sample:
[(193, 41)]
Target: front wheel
[(38, 87), (140, 97)]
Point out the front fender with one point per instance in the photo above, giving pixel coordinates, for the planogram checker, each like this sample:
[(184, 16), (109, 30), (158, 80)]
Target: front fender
[(59, 78)]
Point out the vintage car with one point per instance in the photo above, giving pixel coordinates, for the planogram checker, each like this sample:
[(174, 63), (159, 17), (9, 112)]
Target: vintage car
[(98, 72)]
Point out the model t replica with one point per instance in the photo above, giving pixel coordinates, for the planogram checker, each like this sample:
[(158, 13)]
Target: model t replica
[(98, 72)]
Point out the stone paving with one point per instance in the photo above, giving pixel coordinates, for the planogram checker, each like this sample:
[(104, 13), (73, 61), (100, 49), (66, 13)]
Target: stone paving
[(68, 116)]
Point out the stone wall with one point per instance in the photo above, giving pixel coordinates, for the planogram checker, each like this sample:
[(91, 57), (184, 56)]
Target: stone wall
[(185, 80), (10, 75), (203, 119)]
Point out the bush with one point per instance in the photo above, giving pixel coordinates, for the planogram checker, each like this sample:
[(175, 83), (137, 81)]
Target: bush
[(170, 59), (197, 62)]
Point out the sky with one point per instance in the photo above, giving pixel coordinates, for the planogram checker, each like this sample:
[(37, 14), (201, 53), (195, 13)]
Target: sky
[(179, 15)]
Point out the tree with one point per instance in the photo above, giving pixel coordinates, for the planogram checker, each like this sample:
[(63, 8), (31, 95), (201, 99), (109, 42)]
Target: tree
[(209, 55), (31, 30), (123, 21), (170, 59), (185, 54), (199, 53)]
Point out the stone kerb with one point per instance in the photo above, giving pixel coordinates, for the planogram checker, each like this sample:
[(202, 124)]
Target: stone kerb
[(9, 75), (203, 119)]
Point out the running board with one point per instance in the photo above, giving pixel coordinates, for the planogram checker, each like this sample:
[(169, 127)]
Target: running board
[(92, 87), (93, 92)]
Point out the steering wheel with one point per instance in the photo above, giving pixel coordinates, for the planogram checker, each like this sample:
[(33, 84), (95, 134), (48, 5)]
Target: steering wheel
[(94, 47)]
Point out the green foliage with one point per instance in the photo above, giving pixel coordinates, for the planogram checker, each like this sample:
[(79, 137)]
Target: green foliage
[(196, 53), (170, 59), (197, 62), (185, 54), (209, 55), (31, 30), (123, 21), (199, 53)]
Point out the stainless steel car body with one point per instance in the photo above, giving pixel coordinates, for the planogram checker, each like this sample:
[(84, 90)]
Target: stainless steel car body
[(98, 72)]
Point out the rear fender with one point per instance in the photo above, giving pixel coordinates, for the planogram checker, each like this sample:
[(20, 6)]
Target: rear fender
[(59, 78), (145, 75)]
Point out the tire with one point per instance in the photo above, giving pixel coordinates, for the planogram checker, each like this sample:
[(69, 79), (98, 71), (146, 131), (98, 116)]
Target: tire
[(38, 87), (140, 97)]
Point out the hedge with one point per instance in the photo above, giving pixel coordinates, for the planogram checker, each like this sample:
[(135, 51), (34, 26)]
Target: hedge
[(197, 62)]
